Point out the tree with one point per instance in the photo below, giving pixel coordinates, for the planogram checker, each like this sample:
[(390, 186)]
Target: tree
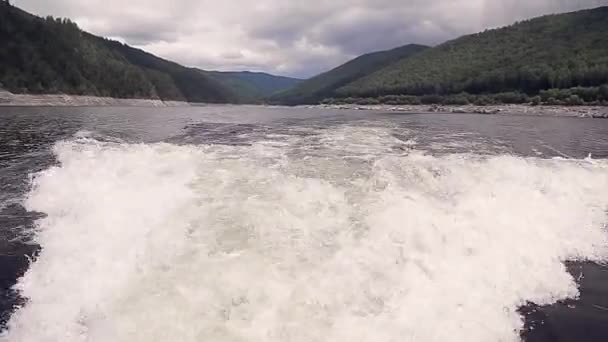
[(575, 100), (604, 92)]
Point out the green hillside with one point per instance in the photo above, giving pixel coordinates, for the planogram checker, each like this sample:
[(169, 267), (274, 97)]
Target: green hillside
[(54, 56), (324, 85), (253, 86), (551, 52)]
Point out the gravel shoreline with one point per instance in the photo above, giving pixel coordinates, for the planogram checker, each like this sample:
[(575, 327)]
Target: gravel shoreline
[(564, 111), (59, 100), (10, 99)]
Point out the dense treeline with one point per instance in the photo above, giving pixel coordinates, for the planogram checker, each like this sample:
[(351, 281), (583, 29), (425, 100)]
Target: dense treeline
[(565, 97), (551, 52), (325, 85), (52, 55)]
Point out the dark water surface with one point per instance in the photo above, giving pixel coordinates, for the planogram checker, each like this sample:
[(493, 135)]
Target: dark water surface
[(265, 152)]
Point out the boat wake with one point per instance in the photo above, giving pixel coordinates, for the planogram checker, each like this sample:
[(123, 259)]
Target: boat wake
[(354, 236)]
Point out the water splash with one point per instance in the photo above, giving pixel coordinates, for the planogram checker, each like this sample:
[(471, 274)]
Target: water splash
[(337, 236)]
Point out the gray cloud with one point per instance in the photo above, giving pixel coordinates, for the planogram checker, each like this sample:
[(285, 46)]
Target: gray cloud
[(141, 34), (298, 38)]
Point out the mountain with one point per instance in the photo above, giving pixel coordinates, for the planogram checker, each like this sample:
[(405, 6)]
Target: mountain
[(253, 86), (324, 85), (48, 55), (550, 52)]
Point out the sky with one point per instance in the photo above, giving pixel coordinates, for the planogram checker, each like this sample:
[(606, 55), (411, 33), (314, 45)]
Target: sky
[(298, 38)]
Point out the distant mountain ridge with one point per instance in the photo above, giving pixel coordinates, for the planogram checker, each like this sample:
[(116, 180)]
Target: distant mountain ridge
[(253, 86), (324, 85)]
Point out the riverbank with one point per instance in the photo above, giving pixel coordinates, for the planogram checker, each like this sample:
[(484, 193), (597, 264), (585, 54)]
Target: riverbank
[(564, 111), (58, 100)]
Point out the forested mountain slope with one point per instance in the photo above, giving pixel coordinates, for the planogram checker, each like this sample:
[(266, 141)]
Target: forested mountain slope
[(54, 56), (324, 85), (556, 51)]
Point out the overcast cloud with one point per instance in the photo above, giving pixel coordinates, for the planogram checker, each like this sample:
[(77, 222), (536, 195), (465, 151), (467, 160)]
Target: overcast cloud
[(294, 38)]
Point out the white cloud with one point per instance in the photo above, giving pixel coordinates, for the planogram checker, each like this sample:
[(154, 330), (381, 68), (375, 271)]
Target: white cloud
[(297, 38)]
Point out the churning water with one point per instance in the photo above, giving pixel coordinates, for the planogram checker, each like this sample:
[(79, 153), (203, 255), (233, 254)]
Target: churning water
[(249, 226)]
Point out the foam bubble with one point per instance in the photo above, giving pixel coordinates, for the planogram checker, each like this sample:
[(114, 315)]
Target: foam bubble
[(260, 243)]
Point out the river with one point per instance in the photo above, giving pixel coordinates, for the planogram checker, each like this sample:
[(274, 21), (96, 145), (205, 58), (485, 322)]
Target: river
[(245, 223)]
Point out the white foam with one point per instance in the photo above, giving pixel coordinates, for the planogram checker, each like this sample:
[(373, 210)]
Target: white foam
[(232, 243)]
